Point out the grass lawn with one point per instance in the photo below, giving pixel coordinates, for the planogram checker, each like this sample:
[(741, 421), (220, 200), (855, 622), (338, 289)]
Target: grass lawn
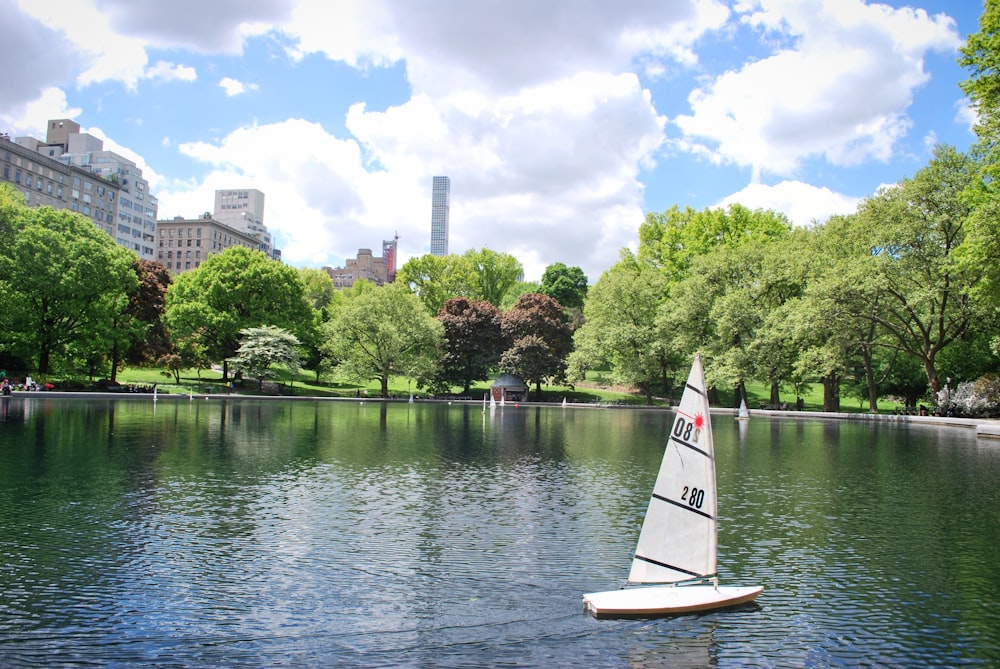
[(594, 389)]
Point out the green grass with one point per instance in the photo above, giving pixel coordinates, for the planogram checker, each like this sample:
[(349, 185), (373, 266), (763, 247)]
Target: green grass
[(594, 389)]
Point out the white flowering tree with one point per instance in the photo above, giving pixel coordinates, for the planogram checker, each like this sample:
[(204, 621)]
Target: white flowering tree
[(262, 349)]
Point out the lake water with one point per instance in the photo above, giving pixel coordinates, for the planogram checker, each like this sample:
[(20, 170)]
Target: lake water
[(214, 533)]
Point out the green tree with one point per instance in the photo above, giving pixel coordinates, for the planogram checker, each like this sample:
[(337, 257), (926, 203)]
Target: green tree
[(61, 279), (981, 249), (671, 240), (264, 347), (232, 291), (384, 332), (492, 274), (981, 56), (319, 288), (565, 285), (914, 229), (540, 340), (472, 342), (435, 279), (620, 329), (516, 291)]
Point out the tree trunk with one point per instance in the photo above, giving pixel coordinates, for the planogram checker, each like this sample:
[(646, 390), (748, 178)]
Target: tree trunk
[(43, 360), (866, 355), (385, 386), (775, 399), (115, 359), (831, 393), (932, 377)]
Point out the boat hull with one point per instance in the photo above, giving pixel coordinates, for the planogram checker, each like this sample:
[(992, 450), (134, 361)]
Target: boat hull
[(667, 600)]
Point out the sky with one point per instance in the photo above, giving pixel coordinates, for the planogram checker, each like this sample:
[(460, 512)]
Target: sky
[(560, 124)]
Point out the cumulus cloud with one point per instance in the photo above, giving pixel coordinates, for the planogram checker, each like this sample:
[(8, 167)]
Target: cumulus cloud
[(218, 26), (165, 71), (530, 176), (802, 203), (838, 85), (537, 111), (234, 87), (31, 118)]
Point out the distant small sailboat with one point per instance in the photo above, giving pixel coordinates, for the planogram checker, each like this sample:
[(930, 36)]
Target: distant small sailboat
[(493, 402), (743, 413), (564, 403), (675, 558)]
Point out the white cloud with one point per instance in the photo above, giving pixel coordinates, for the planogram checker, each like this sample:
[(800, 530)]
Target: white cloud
[(234, 87), (966, 114), (502, 47), (838, 86), (549, 174), (802, 203), (31, 118), (165, 71)]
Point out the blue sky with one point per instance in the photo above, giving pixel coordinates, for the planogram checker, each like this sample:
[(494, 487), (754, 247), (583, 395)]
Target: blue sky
[(560, 124)]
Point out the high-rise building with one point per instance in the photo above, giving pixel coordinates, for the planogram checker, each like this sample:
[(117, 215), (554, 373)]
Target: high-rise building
[(440, 204), (243, 209), (117, 198)]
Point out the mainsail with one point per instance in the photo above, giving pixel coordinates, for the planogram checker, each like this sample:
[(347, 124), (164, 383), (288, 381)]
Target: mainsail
[(678, 540)]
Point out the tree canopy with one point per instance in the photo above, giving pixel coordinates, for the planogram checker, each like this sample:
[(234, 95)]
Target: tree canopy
[(383, 332), (264, 347), (232, 291), (61, 280), (473, 341), (540, 340)]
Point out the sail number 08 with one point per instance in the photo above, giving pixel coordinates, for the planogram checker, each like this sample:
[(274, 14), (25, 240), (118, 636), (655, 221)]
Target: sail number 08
[(694, 497)]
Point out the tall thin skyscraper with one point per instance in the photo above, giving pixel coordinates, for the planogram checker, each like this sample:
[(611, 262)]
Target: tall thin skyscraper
[(440, 203)]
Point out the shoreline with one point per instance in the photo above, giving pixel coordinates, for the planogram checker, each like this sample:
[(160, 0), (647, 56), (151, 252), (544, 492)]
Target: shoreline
[(984, 427)]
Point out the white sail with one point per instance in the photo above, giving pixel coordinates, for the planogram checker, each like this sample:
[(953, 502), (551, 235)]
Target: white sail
[(678, 540), (743, 413)]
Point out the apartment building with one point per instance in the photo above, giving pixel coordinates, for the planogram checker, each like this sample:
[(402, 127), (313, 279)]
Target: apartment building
[(184, 243), (129, 215), (47, 182)]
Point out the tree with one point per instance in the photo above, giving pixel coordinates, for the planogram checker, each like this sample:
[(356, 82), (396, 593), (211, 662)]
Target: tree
[(435, 279), (565, 285), (264, 347), (620, 326), (671, 240), (914, 229), (540, 340), (319, 288), (383, 332), (492, 274), (61, 279), (232, 291), (981, 55), (138, 332), (472, 342), (981, 249)]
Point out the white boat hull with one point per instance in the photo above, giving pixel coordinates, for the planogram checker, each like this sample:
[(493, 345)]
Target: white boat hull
[(658, 600)]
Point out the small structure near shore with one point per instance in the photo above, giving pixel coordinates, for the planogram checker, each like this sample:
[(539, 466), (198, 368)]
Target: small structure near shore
[(510, 388)]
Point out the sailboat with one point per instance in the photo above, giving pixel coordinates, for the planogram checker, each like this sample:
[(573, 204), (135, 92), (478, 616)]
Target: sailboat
[(674, 567), (743, 413)]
